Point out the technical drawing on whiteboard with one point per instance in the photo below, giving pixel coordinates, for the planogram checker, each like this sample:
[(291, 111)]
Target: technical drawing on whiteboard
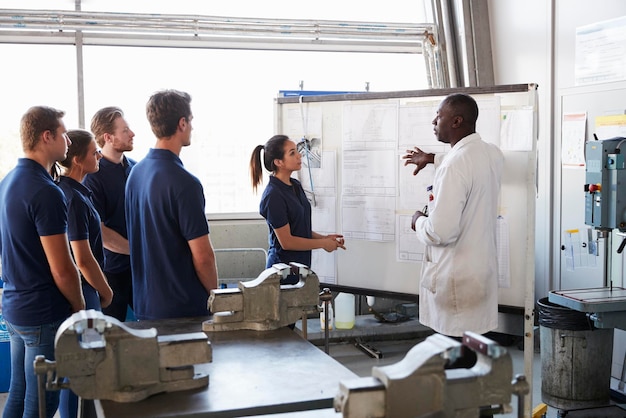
[(370, 125), (369, 170), (408, 247)]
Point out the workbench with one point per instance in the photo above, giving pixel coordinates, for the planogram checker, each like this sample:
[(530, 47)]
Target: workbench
[(252, 373)]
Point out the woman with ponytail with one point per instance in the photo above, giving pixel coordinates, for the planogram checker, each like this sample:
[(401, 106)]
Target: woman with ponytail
[(284, 205)]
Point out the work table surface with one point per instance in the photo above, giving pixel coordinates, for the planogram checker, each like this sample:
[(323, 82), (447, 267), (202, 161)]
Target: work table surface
[(252, 373)]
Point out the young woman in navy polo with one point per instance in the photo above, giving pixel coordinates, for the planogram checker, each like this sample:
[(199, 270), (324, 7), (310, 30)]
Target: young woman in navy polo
[(284, 205)]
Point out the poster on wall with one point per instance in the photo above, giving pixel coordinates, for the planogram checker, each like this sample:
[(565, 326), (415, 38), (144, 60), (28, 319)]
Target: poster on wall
[(573, 128), (601, 52)]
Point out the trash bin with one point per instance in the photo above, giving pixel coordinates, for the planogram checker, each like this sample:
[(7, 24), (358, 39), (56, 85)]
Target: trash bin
[(575, 358), (5, 351)]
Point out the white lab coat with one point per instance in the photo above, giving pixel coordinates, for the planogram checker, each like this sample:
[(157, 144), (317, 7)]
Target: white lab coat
[(459, 283)]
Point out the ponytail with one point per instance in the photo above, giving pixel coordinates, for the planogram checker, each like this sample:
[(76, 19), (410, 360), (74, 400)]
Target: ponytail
[(256, 171)]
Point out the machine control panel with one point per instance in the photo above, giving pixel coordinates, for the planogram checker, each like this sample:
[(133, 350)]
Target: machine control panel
[(605, 181)]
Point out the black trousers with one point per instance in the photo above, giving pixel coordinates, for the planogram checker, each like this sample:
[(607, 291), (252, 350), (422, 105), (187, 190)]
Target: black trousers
[(122, 286)]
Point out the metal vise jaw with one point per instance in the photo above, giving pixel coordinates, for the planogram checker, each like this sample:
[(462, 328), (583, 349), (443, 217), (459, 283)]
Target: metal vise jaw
[(420, 386), (263, 303), (104, 359)]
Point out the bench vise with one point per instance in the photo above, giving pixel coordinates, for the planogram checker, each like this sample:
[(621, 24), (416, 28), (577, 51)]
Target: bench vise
[(98, 357), (420, 386), (263, 303)]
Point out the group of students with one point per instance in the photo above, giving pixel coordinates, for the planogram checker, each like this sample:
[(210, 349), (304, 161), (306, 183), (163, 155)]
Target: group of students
[(82, 226), (107, 232)]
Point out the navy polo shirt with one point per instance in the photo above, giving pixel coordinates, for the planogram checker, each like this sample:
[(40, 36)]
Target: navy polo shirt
[(83, 222), (164, 210), (107, 186), (82, 217), (284, 204), (32, 206)]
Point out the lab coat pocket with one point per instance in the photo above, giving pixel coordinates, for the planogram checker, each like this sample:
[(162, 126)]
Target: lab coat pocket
[(429, 276)]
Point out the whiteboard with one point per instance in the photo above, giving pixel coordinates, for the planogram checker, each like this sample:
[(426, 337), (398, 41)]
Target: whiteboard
[(360, 187)]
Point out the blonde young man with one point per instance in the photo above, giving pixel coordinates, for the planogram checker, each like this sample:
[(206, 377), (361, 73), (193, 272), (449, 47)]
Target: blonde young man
[(115, 137)]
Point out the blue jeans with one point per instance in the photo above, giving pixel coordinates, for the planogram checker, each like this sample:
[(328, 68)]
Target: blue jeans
[(26, 343), (68, 401)]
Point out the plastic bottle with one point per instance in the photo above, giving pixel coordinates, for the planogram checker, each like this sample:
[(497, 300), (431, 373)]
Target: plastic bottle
[(344, 311), (330, 316)]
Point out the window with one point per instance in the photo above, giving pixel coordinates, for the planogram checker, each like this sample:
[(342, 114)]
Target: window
[(33, 75), (232, 90)]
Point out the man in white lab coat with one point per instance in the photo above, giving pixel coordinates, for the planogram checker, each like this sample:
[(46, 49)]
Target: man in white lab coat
[(459, 282)]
